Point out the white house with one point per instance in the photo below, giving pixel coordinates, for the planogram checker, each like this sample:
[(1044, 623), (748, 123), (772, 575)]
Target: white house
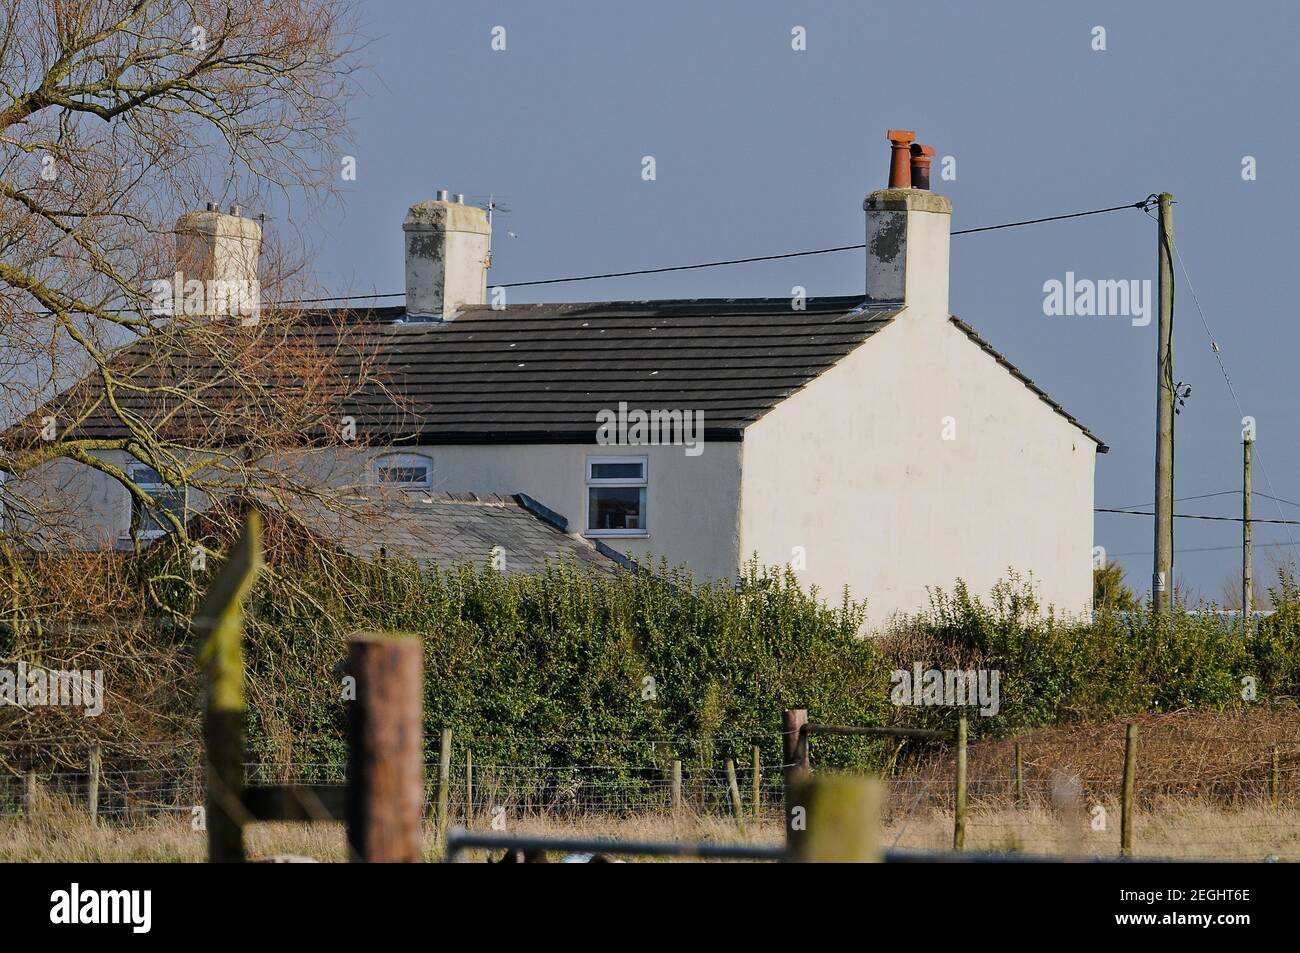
[(872, 441)]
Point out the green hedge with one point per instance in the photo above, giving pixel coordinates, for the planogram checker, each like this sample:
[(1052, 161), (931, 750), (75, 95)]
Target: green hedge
[(563, 669)]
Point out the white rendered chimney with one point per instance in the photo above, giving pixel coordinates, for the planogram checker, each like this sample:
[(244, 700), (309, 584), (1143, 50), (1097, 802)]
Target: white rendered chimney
[(907, 236), (448, 252), (217, 264)]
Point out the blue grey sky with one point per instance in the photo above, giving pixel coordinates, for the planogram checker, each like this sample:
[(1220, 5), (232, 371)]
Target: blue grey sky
[(762, 149)]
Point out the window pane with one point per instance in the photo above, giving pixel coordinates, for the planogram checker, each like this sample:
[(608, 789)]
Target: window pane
[(173, 501), (404, 474), (616, 507), (144, 476), (618, 471)]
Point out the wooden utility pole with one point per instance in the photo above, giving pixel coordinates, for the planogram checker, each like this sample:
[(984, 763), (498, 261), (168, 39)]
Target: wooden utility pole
[(1162, 578), (386, 750), (1247, 574)]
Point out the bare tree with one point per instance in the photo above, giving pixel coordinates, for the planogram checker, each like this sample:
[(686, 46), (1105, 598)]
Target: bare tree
[(117, 116)]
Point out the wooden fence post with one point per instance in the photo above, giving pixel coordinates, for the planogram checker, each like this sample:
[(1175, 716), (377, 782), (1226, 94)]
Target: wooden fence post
[(959, 811), (737, 810), (756, 769), (219, 628), (92, 783), (469, 787), (794, 743), (840, 821), (1275, 786), (676, 776), (1020, 777), (1126, 805), (385, 796), (444, 780), (795, 766), (31, 795)]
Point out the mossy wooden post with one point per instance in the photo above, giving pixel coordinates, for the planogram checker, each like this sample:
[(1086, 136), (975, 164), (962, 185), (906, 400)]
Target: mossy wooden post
[(959, 809), (385, 797), (1126, 806), (837, 820), (219, 626), (756, 769), (444, 780), (92, 783), (676, 782), (1274, 784), (469, 787), (733, 789)]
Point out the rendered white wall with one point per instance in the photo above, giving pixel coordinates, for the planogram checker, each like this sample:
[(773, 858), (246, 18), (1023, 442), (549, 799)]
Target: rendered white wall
[(856, 470)]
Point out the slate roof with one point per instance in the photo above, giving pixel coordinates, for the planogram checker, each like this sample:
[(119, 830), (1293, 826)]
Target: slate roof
[(527, 373), (542, 372), (536, 373), (448, 529)]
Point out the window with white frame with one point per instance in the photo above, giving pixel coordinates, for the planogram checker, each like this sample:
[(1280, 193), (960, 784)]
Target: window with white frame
[(616, 496), (408, 470), (152, 523)]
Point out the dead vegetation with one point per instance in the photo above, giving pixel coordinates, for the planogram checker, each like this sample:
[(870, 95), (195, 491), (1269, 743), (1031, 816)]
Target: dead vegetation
[(1216, 759)]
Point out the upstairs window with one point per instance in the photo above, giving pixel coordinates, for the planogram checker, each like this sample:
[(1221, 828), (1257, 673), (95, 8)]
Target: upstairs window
[(151, 523), (404, 470), (616, 496)]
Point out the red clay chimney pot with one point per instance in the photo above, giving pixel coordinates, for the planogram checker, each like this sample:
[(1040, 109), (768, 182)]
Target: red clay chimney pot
[(921, 156), (900, 167)]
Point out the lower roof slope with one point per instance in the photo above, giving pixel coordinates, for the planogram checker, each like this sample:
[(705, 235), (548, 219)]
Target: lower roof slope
[(449, 529)]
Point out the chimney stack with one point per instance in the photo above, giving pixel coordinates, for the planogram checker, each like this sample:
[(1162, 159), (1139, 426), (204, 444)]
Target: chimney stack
[(448, 251), (216, 265), (907, 233)]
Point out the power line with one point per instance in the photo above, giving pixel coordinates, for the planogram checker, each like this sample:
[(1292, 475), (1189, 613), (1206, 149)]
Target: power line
[(1181, 499), (1197, 516), (738, 261), (1277, 499), (1204, 549), (817, 251), (1221, 493)]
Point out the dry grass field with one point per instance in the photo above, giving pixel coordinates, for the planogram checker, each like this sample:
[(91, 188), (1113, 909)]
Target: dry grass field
[(1173, 831)]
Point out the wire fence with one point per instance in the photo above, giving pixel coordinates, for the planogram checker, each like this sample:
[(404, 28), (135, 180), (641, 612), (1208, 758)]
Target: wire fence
[(1186, 805), (503, 790)]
